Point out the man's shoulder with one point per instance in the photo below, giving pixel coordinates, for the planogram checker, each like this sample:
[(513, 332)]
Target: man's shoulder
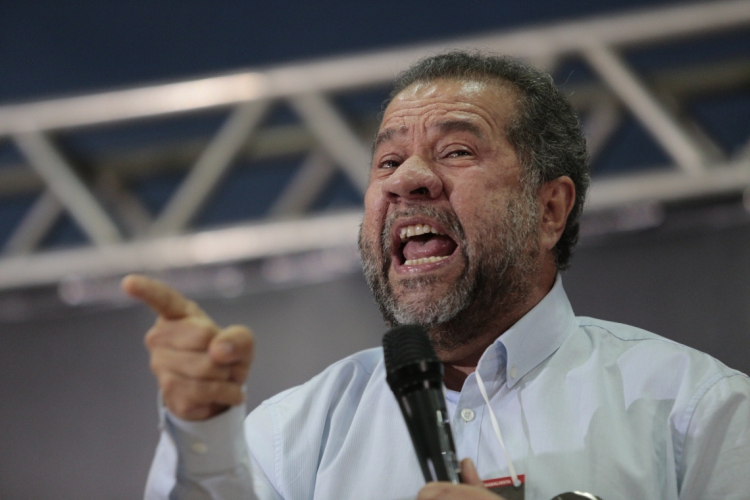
[(621, 331), (353, 372), (295, 425), (636, 346)]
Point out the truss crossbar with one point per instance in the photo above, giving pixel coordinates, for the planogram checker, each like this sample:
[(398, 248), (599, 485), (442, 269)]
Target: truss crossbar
[(208, 247), (368, 69), (330, 142)]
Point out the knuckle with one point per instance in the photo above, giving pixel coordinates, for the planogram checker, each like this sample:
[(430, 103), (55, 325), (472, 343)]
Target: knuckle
[(201, 340), (162, 361), (151, 337), (203, 368), (203, 332), (206, 333), (213, 390)]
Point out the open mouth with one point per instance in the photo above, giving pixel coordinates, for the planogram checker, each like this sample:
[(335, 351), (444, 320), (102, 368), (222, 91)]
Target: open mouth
[(423, 244)]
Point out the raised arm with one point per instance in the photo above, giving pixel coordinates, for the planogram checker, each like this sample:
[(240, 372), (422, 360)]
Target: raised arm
[(200, 368)]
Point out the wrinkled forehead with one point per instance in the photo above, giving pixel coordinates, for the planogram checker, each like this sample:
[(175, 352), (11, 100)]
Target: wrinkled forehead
[(495, 95)]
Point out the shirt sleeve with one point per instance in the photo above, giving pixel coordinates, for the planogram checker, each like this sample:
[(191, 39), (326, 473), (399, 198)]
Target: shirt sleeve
[(206, 460), (716, 453)]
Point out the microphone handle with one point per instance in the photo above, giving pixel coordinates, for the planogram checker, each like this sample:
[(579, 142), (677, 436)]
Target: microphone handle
[(427, 420)]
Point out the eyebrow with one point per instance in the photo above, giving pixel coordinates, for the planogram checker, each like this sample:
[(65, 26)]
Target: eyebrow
[(444, 127), (386, 135), (460, 126)]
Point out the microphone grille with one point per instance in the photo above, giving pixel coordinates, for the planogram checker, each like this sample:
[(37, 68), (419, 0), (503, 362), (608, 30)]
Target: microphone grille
[(405, 345)]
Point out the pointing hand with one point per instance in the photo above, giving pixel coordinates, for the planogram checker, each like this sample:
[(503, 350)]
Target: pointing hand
[(200, 367)]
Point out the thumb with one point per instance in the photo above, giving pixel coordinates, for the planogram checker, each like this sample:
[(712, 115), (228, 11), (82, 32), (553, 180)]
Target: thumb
[(469, 473), (233, 344)]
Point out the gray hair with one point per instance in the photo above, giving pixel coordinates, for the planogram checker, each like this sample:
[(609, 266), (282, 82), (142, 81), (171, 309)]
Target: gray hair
[(545, 132)]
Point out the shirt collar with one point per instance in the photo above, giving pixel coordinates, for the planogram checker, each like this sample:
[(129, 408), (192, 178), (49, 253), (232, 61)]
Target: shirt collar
[(535, 336)]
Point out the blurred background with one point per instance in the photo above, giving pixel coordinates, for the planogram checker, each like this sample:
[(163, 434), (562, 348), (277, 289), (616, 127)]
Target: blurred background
[(224, 148)]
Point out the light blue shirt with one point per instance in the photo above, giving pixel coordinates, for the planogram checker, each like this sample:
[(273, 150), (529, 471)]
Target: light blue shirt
[(582, 404)]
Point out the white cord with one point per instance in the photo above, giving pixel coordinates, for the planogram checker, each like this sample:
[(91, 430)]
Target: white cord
[(496, 427)]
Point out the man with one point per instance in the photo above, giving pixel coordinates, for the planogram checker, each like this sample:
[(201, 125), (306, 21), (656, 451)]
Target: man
[(477, 180)]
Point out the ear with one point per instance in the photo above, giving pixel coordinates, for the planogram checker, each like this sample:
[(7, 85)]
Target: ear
[(556, 199)]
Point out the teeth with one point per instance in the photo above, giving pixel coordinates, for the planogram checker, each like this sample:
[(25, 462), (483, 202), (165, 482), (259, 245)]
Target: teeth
[(425, 260), (409, 231)]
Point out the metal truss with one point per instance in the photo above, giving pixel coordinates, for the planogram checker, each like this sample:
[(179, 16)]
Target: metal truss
[(124, 236)]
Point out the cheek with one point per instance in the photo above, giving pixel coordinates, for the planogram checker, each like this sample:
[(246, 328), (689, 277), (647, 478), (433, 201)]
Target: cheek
[(474, 197), (376, 203), (369, 229), (481, 212), (374, 213), (371, 194)]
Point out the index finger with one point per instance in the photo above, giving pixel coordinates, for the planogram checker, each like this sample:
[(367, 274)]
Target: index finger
[(163, 299)]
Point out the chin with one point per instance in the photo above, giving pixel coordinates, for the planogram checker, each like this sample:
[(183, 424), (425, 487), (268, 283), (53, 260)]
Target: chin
[(429, 311)]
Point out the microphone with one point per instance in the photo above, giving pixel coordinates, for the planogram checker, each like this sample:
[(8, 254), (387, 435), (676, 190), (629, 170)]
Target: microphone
[(415, 375)]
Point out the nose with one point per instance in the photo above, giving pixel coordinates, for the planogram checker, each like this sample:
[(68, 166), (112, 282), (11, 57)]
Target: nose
[(412, 180)]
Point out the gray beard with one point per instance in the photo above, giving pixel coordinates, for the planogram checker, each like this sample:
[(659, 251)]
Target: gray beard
[(498, 275)]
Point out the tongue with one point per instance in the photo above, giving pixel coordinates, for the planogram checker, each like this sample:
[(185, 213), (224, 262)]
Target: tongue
[(420, 247)]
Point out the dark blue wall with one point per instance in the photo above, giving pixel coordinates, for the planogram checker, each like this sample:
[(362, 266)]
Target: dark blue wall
[(49, 47)]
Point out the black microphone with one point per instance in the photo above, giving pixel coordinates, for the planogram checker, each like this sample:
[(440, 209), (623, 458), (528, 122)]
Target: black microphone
[(415, 375)]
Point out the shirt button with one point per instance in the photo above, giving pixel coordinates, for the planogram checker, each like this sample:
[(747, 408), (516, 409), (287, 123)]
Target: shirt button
[(513, 371), (199, 447), (467, 414)]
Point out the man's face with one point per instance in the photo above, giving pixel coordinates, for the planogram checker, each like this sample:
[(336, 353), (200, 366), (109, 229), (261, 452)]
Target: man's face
[(450, 234)]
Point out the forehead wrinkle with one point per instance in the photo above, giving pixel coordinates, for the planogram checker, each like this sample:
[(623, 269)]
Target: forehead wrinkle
[(414, 106)]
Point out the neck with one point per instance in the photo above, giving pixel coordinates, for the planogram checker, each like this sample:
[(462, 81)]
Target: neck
[(461, 361)]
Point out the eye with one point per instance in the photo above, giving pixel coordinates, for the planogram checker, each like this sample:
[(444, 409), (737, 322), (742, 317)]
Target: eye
[(389, 163), (458, 153)]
